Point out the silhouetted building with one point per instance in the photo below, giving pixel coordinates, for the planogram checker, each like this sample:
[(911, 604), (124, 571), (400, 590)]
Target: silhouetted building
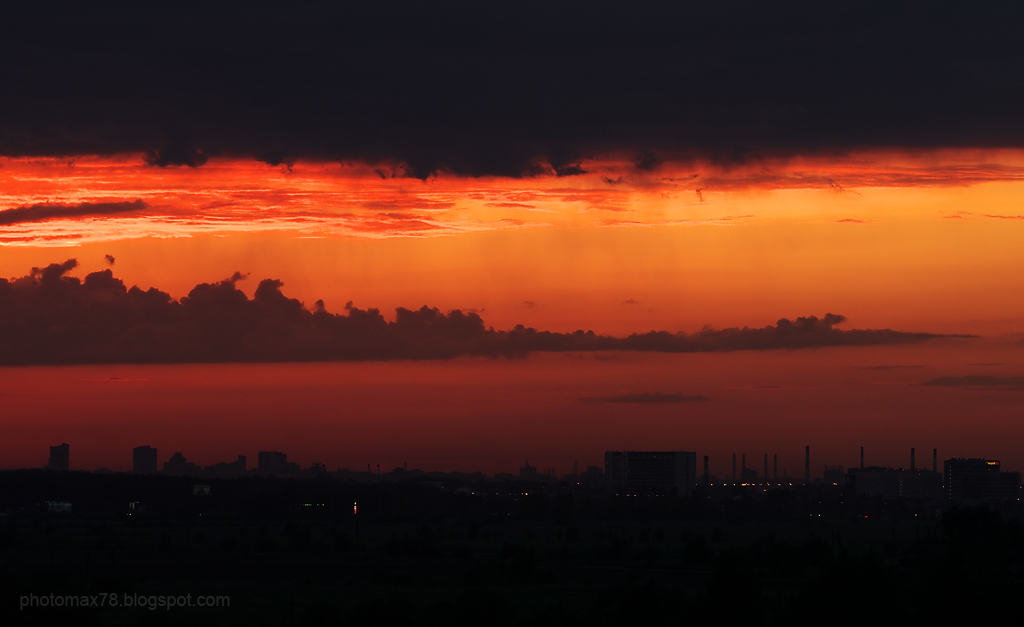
[(892, 483), (227, 469), (834, 475), (144, 460), (60, 458), (574, 476), (748, 475), (178, 465), (669, 472), (593, 476), (527, 471), (275, 463), (979, 481)]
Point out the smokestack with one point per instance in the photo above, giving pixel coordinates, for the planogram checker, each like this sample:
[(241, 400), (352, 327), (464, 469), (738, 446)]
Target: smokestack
[(734, 467), (913, 466), (706, 483), (775, 466), (807, 464), (744, 466), (935, 460), (862, 458), (766, 467)]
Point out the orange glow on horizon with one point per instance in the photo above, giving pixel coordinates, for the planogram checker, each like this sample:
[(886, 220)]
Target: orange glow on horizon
[(928, 241)]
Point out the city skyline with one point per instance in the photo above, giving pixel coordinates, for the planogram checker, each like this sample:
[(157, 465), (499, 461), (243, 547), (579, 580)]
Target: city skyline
[(146, 460), (625, 474)]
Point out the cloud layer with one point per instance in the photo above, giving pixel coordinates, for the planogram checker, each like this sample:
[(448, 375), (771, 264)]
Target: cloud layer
[(1006, 384), (49, 317), (508, 89), (52, 211), (648, 397)]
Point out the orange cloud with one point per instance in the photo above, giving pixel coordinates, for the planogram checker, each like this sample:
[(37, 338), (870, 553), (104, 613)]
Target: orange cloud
[(346, 200)]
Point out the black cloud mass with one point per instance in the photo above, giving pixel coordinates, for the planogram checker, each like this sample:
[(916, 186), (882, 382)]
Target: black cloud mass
[(49, 317), (50, 211), (507, 88)]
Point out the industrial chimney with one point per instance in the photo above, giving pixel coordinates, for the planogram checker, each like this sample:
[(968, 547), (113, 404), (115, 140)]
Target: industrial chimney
[(913, 466), (807, 464)]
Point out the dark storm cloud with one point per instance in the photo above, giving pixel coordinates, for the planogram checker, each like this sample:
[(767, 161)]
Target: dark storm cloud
[(53, 211), (1008, 384), (49, 317), (646, 160), (648, 397), (182, 154), (508, 88)]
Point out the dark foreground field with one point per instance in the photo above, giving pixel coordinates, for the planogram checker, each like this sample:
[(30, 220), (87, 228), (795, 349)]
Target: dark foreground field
[(444, 552)]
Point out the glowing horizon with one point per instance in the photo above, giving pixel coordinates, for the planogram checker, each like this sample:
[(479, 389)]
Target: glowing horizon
[(921, 241)]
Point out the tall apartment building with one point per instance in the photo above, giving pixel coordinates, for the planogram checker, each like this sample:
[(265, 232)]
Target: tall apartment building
[(144, 460), (60, 457), (979, 480), (651, 472)]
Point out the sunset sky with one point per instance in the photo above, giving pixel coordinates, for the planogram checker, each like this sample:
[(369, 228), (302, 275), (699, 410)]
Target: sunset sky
[(664, 171), (925, 241)]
